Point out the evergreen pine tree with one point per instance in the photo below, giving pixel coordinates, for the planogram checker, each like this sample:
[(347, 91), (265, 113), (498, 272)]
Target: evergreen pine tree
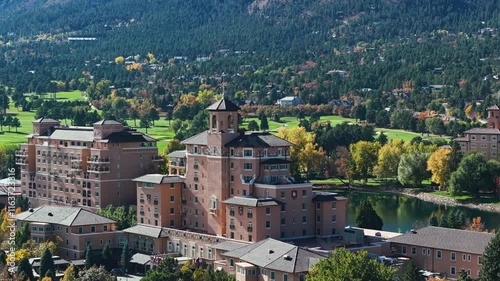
[(47, 263), (490, 264), (411, 273), (125, 257), (433, 220), (264, 125), (3, 258), (367, 217), (50, 274), (25, 271), (443, 222), (107, 257), (89, 257)]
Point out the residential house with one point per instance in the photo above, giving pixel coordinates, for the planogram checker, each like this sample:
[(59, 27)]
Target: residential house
[(289, 101)]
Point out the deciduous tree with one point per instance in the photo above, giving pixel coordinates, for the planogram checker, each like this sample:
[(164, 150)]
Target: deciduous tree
[(364, 155), (438, 166), (412, 169), (473, 168), (346, 265), (389, 156)]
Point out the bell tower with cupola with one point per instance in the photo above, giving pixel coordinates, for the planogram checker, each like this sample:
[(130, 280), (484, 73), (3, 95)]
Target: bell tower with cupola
[(494, 117), (223, 122)]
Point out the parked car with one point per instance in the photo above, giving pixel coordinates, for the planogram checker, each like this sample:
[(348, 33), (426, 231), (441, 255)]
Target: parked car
[(118, 272)]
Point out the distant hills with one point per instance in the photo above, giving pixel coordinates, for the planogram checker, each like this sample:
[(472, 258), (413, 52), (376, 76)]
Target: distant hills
[(187, 27)]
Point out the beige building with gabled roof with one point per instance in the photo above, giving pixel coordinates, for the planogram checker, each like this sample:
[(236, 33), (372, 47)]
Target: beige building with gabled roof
[(77, 228)]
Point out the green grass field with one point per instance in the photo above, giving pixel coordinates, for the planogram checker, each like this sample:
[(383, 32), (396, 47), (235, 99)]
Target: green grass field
[(26, 119), (468, 198), (162, 132)]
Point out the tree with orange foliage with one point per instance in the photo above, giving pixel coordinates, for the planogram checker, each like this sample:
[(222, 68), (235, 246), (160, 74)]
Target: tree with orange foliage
[(478, 226)]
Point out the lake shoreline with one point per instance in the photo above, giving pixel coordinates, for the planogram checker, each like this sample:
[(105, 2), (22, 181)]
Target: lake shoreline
[(417, 193)]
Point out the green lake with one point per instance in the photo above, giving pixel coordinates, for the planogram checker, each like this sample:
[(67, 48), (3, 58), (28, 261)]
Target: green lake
[(402, 213)]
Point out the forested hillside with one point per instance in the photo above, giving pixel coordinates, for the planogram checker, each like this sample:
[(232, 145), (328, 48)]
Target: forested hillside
[(266, 48)]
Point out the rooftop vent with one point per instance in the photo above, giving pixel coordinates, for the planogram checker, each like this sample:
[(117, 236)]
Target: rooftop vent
[(413, 231), (51, 215), (287, 257), (271, 251), (31, 210)]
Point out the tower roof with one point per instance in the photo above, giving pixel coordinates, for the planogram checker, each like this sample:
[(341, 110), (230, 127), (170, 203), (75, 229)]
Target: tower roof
[(223, 105)]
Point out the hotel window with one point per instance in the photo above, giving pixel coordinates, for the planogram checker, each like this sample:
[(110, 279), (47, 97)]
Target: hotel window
[(304, 193), (92, 229), (413, 250), (273, 276), (280, 152), (266, 167), (268, 211), (268, 224), (282, 195), (264, 153), (493, 138), (284, 167), (172, 198), (196, 200), (213, 203), (334, 218), (285, 277), (283, 208), (473, 137), (453, 270), (483, 137), (483, 145), (283, 221), (247, 166), (318, 205), (318, 218), (403, 250), (172, 211), (439, 254), (469, 258), (247, 152), (472, 145), (494, 145), (479, 260), (424, 251), (105, 228), (334, 205), (464, 257), (304, 219), (232, 165), (80, 230), (195, 149), (170, 246)]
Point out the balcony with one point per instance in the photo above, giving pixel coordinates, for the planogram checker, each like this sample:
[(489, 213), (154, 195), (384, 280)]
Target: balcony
[(249, 215), (183, 201), (249, 229), (157, 158), (97, 160), (195, 166), (232, 226), (141, 200), (231, 213), (157, 215), (177, 164), (99, 170), (76, 168), (76, 159), (142, 213), (21, 153), (21, 161), (155, 202), (196, 179)]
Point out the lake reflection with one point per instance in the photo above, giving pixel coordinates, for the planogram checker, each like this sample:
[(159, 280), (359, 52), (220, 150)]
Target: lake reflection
[(402, 213)]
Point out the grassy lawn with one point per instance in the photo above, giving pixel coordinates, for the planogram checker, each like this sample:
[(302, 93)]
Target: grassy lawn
[(468, 198), (161, 131), (371, 182)]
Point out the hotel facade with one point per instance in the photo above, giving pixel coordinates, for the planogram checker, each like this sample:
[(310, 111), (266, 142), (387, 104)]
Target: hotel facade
[(230, 187), (90, 167)]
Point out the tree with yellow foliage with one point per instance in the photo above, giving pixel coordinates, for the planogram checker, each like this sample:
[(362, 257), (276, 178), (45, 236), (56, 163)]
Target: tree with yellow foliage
[(364, 156), (205, 97), (304, 152), (388, 159), (69, 274), (438, 166), (188, 99), (119, 60)]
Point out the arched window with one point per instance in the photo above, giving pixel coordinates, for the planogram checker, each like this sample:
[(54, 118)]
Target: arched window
[(214, 121), (230, 122)]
